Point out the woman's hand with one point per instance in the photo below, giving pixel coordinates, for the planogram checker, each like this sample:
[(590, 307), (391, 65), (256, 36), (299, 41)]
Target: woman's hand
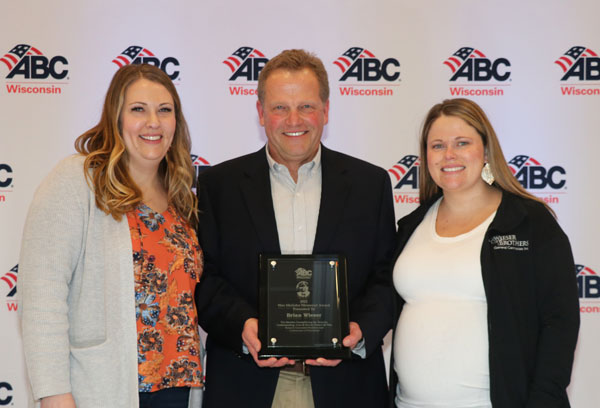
[(58, 401)]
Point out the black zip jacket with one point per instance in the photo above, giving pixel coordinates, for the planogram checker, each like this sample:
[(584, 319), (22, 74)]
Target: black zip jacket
[(533, 305)]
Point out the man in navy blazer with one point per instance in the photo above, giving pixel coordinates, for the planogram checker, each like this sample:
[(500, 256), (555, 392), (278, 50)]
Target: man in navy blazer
[(293, 196)]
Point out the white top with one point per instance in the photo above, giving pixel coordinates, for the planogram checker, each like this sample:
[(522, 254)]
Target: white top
[(296, 205), (441, 341)]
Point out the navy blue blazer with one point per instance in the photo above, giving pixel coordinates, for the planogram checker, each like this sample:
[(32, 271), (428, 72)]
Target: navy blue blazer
[(237, 222)]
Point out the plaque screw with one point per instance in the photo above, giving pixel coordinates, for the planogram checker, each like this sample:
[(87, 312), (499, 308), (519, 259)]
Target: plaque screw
[(274, 340)]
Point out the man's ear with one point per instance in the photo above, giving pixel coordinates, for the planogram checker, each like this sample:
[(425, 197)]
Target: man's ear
[(261, 113)]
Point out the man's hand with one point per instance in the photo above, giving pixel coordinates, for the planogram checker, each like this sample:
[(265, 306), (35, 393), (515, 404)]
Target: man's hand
[(351, 340), (250, 339), (58, 401)]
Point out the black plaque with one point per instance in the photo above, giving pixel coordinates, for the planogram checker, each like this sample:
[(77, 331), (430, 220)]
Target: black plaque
[(303, 306)]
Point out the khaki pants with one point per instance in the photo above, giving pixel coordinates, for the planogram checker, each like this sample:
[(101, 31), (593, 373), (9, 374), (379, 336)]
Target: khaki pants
[(293, 391)]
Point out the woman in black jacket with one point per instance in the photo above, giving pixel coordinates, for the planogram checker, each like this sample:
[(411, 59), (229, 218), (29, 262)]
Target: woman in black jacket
[(485, 279)]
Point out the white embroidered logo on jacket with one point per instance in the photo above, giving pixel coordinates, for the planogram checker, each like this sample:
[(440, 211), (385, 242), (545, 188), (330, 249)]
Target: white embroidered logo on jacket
[(509, 242)]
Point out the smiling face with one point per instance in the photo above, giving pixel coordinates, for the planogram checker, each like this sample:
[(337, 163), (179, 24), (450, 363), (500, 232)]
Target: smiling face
[(293, 116), (147, 123), (455, 156)]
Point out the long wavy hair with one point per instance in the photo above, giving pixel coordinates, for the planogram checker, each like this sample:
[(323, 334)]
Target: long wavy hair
[(474, 116), (106, 158)]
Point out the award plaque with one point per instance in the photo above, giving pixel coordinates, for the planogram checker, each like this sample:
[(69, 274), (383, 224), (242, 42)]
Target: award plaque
[(303, 306)]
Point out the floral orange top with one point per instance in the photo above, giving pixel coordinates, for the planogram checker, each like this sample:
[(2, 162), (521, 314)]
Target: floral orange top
[(167, 265)]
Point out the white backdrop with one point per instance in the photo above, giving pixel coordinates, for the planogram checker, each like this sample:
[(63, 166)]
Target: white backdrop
[(545, 113)]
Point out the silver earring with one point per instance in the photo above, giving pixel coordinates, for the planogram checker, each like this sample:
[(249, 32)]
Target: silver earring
[(487, 175)]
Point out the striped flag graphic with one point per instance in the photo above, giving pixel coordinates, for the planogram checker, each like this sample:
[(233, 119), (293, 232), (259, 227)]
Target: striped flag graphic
[(584, 270), (347, 58), (19, 51), (131, 53), (522, 160), (403, 165), (460, 56), (199, 161), (239, 55), (10, 278), (569, 57)]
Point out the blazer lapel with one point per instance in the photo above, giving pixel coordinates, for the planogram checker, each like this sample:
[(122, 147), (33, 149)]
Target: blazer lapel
[(334, 192), (256, 189)]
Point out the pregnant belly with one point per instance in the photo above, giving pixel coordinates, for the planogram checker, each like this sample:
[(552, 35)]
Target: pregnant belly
[(441, 354)]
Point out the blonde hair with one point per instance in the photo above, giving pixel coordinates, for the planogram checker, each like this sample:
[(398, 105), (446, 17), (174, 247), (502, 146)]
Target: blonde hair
[(106, 158), (474, 116), (295, 60)]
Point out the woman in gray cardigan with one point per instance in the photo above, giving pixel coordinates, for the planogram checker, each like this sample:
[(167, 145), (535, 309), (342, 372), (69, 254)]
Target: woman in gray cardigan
[(109, 259)]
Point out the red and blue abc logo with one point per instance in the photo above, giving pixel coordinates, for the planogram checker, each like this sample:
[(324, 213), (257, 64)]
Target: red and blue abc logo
[(588, 282), (472, 65), (200, 164), (139, 55), (376, 77), (361, 65), (6, 175), (580, 63), (10, 278), (533, 176), (246, 63), (5, 393), (405, 173), (27, 62), (405, 179)]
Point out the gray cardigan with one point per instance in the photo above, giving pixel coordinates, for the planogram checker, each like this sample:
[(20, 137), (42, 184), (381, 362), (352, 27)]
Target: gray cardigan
[(76, 295)]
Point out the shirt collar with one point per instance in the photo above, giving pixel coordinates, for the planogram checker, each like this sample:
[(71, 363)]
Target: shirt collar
[(315, 163)]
